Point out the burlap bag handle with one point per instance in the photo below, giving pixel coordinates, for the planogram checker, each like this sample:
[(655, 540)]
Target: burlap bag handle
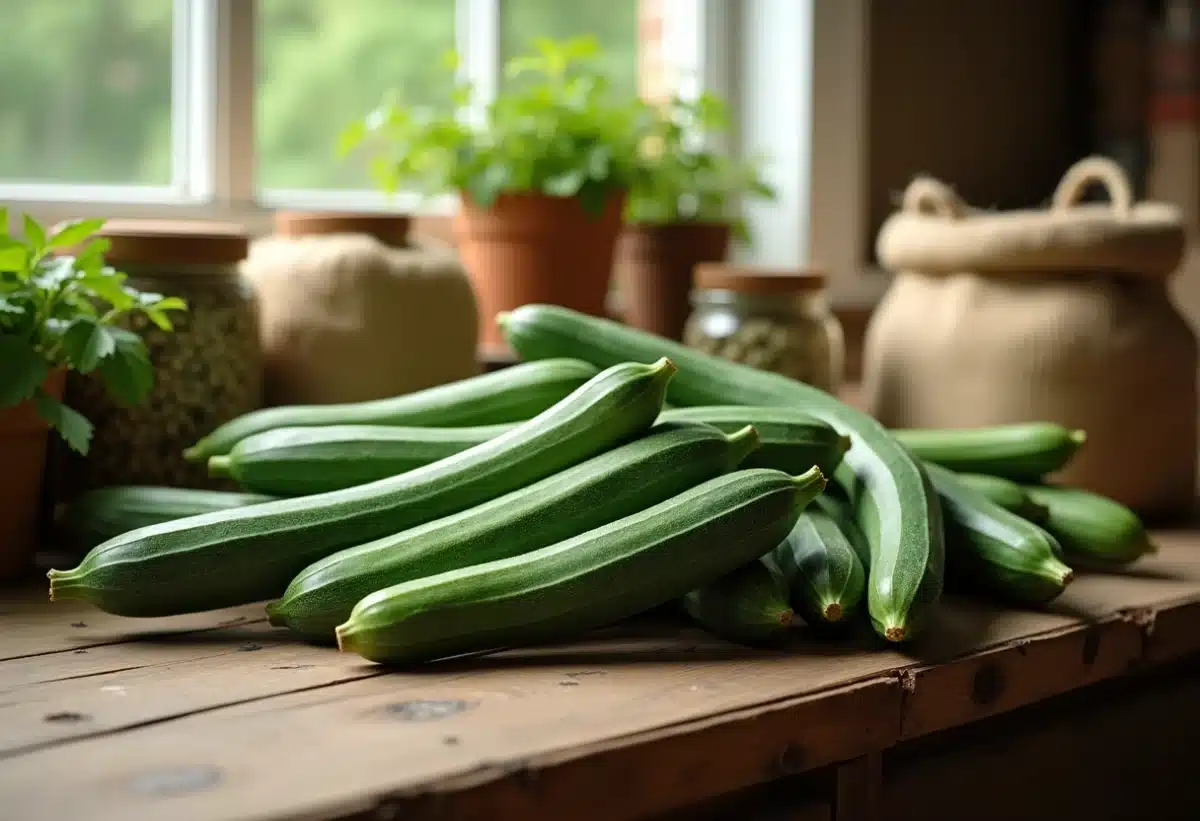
[(1094, 170), (931, 197)]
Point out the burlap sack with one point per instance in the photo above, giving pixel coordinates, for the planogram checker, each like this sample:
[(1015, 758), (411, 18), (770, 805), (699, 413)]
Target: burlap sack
[(1060, 315), (346, 318)]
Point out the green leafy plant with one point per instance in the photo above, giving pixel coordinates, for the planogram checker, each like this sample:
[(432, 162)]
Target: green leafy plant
[(59, 311), (689, 181), (556, 127)]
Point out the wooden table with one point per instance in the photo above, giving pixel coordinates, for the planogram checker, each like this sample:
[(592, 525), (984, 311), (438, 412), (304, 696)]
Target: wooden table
[(218, 716)]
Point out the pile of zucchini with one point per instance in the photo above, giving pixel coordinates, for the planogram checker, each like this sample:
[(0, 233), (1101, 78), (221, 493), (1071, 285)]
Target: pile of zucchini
[(563, 494)]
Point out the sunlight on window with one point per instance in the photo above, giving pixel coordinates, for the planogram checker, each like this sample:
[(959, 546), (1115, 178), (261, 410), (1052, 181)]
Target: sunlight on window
[(85, 94)]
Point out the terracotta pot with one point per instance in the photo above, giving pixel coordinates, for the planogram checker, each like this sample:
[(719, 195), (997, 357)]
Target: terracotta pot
[(23, 437), (654, 271), (536, 248)]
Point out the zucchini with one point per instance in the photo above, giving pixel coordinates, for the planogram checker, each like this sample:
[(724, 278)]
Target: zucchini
[(748, 605), (895, 506), (303, 461), (1096, 532), (250, 554), (98, 515), (1006, 493), (671, 458), (790, 441), (823, 562), (615, 571), (510, 395), (992, 548), (1023, 452)]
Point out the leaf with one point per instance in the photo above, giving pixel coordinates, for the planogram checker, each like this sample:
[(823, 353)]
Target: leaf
[(109, 287), (71, 425), (91, 259), (24, 370), (171, 303), (13, 257), (3, 220), (566, 184), (86, 342), (35, 234), (51, 274), (128, 374), (74, 232)]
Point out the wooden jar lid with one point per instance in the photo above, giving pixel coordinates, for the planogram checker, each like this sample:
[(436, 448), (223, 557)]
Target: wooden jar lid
[(390, 229), (166, 242), (745, 279)]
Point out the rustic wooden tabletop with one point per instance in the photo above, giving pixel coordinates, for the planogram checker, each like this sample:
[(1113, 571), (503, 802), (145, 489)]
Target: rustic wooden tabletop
[(217, 716)]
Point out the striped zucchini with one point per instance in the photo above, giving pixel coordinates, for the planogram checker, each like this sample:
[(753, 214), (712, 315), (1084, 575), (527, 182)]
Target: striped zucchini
[(791, 441), (303, 461), (748, 605), (624, 568), (98, 515), (989, 547), (668, 460), (823, 562), (1096, 532), (1006, 493), (250, 554), (1023, 452), (509, 395), (895, 506)]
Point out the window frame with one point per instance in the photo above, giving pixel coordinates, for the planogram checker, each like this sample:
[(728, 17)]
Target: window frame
[(799, 98)]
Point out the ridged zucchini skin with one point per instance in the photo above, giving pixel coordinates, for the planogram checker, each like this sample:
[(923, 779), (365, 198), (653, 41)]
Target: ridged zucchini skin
[(895, 506), (668, 460), (990, 547), (748, 605), (304, 461), (1006, 493), (1022, 452), (250, 554), (95, 516), (510, 395), (822, 563), (790, 440), (1097, 533), (612, 572)]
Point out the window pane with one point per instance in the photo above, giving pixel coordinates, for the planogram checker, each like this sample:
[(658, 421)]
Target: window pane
[(614, 24), (327, 62), (85, 91)]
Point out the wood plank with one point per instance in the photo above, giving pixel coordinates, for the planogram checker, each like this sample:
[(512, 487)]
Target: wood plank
[(200, 739), (33, 626), (857, 790)]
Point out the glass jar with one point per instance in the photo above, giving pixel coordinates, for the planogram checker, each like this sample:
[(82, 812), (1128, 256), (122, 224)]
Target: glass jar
[(777, 321), (207, 370)]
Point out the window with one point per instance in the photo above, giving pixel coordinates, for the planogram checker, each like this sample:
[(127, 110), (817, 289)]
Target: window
[(229, 108), (86, 95)]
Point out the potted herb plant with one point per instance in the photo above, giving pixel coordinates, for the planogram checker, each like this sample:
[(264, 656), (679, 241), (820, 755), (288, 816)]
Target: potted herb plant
[(57, 313), (542, 175), (684, 211)]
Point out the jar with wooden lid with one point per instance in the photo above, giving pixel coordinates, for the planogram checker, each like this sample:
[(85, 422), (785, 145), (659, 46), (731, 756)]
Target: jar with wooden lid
[(1060, 314), (207, 370), (778, 321), (354, 309)]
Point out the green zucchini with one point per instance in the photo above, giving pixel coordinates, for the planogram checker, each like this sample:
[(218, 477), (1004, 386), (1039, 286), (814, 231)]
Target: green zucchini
[(98, 515), (613, 572), (990, 547), (791, 441), (1006, 493), (822, 562), (510, 395), (668, 460), (303, 461), (250, 554), (1023, 452), (748, 605), (895, 506), (1096, 532)]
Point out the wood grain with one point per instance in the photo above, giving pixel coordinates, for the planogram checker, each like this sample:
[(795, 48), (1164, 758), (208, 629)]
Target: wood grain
[(642, 718)]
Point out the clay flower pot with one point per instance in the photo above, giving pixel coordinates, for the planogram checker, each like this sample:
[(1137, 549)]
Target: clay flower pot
[(654, 271), (23, 436), (532, 247)]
